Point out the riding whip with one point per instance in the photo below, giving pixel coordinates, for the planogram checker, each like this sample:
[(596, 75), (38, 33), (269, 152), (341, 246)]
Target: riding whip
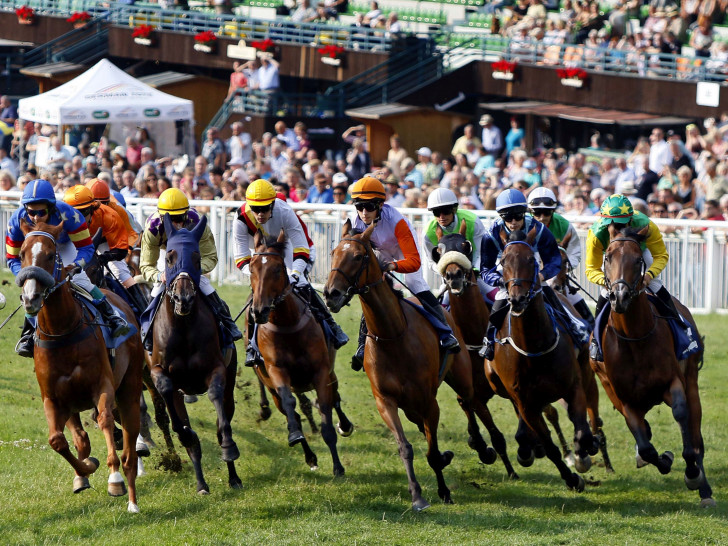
[(580, 287), (11, 316), (242, 310)]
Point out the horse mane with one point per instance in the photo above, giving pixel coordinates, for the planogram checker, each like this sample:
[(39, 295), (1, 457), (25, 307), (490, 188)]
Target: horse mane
[(633, 233), (518, 235)]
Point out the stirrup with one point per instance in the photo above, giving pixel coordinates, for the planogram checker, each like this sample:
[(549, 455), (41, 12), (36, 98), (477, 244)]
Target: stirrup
[(594, 352), (487, 351), (24, 347), (357, 360)]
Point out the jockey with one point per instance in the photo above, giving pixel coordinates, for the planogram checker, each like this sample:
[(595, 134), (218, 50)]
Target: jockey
[(511, 206), (175, 203), (263, 211), (74, 247), (115, 246), (397, 251), (618, 209), (444, 206), (102, 194), (542, 204)]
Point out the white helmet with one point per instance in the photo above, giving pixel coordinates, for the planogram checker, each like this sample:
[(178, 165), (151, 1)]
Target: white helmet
[(542, 198), (441, 197)]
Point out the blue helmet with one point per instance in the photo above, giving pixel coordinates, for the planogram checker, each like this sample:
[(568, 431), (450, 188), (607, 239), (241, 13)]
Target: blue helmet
[(38, 191), (511, 200), (119, 198)]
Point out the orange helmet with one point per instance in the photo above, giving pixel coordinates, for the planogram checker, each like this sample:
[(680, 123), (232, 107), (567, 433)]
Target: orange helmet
[(100, 190), (79, 197), (368, 189)]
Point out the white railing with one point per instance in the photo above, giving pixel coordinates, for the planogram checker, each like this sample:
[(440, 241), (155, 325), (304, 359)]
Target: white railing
[(697, 272)]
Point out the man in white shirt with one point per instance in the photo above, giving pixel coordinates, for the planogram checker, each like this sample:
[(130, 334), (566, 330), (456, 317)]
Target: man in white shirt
[(287, 135), (268, 79), (659, 151), (492, 138), (57, 154), (625, 177), (239, 144)]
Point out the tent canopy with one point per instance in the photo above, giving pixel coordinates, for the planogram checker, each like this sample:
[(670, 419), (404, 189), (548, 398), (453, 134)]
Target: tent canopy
[(104, 94)]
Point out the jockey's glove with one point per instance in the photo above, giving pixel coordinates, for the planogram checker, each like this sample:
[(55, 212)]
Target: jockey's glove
[(73, 269), (297, 278)]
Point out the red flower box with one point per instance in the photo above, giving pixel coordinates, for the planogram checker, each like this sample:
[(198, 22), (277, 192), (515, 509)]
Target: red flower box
[(504, 66), (263, 45), (79, 18), (208, 37), (142, 31), (25, 14), (332, 51)]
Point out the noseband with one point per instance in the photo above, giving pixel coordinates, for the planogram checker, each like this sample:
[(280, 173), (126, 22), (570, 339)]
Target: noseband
[(354, 288), (173, 285), (57, 265), (631, 287), (280, 297), (519, 281)]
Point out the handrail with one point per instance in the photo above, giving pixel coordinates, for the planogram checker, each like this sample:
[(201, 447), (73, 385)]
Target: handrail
[(49, 51)]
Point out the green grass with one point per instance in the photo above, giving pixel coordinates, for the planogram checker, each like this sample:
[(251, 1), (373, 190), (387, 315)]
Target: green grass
[(283, 502)]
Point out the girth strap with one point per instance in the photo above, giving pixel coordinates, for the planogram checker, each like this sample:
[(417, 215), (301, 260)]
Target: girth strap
[(80, 335)]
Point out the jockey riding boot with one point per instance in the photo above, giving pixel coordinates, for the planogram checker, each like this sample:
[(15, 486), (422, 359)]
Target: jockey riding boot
[(666, 300), (339, 338), (117, 325), (448, 341), (497, 313), (357, 361), (583, 309), (252, 356), (24, 346), (595, 352), (222, 313), (137, 298)]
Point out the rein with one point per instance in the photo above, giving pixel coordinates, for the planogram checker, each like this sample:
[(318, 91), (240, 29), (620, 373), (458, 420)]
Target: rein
[(631, 287), (509, 339), (518, 281)]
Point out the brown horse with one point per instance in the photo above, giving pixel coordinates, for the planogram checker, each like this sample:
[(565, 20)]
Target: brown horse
[(640, 369), (535, 365), (295, 353), (187, 358), (401, 356), (72, 365)]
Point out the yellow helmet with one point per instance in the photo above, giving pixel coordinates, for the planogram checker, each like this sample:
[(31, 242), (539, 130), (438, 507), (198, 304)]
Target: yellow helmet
[(79, 197), (260, 193), (173, 201), (366, 189)]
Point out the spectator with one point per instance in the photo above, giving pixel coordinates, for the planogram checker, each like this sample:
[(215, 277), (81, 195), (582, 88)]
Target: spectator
[(393, 26), (302, 140), (624, 175), (515, 137), (239, 145), (8, 112), (213, 150), (320, 192), (396, 155), (57, 154), (127, 188), (304, 13), (287, 136), (146, 141), (374, 16), (268, 79), (238, 79), (411, 174), (491, 138), (460, 146), (425, 166), (646, 183), (352, 133), (133, 153), (395, 198), (659, 150), (685, 191), (7, 181), (358, 160)]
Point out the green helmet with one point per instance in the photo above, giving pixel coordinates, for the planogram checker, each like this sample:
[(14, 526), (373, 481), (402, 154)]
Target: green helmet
[(616, 208)]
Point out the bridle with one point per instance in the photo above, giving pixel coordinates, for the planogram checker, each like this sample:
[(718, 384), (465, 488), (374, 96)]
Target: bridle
[(354, 289), (286, 290), (171, 288), (633, 292), (516, 281), (57, 265)]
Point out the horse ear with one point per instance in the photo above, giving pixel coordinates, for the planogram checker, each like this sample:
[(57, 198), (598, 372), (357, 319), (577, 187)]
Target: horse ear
[(436, 254), (613, 231), (463, 228), (199, 229), (368, 233), (346, 228), (503, 236), (467, 249), (282, 236), (438, 232), (643, 232), (25, 227), (531, 237), (258, 240), (169, 229)]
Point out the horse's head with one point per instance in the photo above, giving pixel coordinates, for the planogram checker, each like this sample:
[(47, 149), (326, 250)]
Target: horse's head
[(182, 264), (453, 255), (353, 266), (520, 269), (40, 262), (268, 275), (561, 280), (624, 267)]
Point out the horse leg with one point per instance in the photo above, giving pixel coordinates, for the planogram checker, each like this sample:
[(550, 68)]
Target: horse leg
[(307, 409), (264, 413), (496, 436), (170, 460), (231, 369), (696, 413), (216, 394), (116, 487), (641, 431), (525, 440), (344, 427), (591, 392), (584, 442), (435, 459), (324, 391), (288, 407), (476, 442), (83, 448), (552, 415), (534, 419), (127, 399)]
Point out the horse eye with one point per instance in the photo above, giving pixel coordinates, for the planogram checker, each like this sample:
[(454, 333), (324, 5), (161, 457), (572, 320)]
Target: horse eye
[(358, 257)]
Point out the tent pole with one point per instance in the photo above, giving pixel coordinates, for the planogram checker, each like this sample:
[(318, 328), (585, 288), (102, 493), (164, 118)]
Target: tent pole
[(22, 154)]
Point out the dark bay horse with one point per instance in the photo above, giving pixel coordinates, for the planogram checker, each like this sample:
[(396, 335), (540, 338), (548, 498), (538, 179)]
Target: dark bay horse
[(294, 349), (535, 365), (401, 356), (187, 356), (72, 365), (640, 368)]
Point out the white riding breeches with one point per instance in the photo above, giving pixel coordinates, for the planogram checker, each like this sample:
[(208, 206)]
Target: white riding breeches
[(118, 268), (655, 284), (205, 287)]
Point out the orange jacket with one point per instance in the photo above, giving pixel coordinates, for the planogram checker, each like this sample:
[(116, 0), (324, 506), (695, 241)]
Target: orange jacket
[(107, 220), (132, 236)]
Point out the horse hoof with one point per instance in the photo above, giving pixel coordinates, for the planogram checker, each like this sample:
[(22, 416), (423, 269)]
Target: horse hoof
[(525, 461), (667, 458), (641, 463), (696, 482), (190, 398), (132, 508), (314, 467), (579, 485), (489, 456), (583, 464), (92, 463), (539, 452), (339, 472), (230, 453), (295, 437), (570, 459), (235, 484), (116, 487), (344, 433), (447, 500), (264, 413), (447, 458), (420, 505), (707, 503), (203, 492), (80, 483), (142, 449)]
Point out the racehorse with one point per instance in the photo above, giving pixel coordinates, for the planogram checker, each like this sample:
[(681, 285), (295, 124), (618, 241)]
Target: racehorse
[(534, 365), (294, 349), (187, 356), (640, 368), (72, 365), (401, 356)]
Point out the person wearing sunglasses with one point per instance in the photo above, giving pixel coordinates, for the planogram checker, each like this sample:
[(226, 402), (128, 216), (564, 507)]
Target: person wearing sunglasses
[(263, 211), (443, 203), (173, 202), (397, 250), (542, 204), (74, 246), (511, 206)]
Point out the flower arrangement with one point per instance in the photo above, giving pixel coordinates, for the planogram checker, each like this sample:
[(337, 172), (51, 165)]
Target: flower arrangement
[(503, 70), (79, 18), (26, 15), (205, 41), (572, 77), (142, 35), (263, 45), (331, 54)]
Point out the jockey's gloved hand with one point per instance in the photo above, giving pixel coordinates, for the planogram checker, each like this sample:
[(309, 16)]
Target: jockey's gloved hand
[(297, 278), (104, 258), (72, 269), (245, 270)]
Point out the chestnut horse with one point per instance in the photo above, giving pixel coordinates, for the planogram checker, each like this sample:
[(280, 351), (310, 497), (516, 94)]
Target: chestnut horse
[(72, 365), (401, 356), (535, 365), (294, 349), (640, 368), (187, 358)]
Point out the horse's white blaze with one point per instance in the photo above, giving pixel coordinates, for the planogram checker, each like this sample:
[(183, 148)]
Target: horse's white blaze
[(346, 246), (37, 247), (264, 260), (29, 289)]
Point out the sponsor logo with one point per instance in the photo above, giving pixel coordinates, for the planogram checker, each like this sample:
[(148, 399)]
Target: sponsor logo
[(178, 111), (127, 113), (75, 115), (118, 90), (152, 112), (100, 114)]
